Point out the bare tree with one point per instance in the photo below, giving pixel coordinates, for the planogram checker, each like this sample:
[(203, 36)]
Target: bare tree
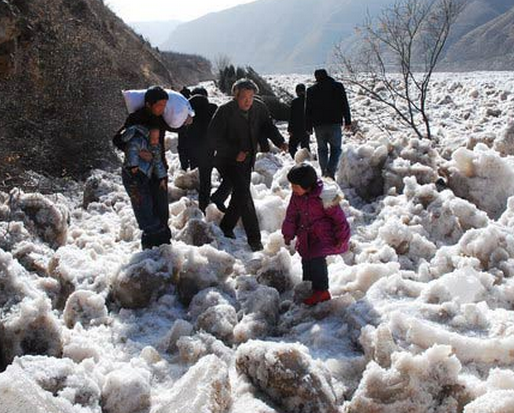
[(400, 50), (221, 61)]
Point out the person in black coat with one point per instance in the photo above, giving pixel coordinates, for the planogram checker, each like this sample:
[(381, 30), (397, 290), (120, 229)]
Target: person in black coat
[(234, 133), (296, 127), (201, 153), (149, 116), (268, 132), (325, 107), (185, 149)]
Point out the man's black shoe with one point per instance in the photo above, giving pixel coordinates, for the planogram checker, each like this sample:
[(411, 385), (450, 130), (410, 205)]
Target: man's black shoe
[(220, 205), (256, 246), (229, 233)]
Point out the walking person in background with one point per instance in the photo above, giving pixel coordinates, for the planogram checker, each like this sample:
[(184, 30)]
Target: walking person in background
[(325, 108), (234, 132), (296, 127), (201, 152), (316, 219), (150, 116)]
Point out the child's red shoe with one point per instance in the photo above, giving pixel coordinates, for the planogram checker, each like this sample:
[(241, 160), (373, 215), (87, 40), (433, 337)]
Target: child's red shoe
[(317, 297)]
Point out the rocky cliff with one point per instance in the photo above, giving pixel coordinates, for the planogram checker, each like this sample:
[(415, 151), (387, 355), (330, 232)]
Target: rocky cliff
[(62, 67)]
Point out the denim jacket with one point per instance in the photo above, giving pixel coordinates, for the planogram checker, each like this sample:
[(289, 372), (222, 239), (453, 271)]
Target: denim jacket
[(136, 138)]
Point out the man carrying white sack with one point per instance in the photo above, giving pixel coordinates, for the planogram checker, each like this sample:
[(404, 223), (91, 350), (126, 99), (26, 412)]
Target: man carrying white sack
[(149, 116)]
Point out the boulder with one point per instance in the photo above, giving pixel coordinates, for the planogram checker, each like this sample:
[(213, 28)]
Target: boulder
[(30, 328), (86, 308), (288, 375), (205, 388), (98, 185), (126, 391), (20, 394), (219, 321), (414, 384), (259, 309), (144, 279), (44, 218), (499, 401), (196, 232), (203, 268), (193, 348)]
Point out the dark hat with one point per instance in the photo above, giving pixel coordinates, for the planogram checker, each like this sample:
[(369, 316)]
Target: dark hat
[(185, 92), (304, 175), (320, 74), (154, 94), (300, 88), (199, 91)]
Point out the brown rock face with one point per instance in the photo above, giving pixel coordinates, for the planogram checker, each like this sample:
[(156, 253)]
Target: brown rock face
[(63, 65)]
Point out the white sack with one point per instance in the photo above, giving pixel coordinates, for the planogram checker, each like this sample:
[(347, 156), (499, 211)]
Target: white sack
[(176, 112)]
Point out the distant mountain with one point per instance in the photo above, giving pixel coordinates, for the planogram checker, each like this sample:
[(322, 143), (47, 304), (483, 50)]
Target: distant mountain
[(156, 32), (488, 47), (274, 35), (477, 13), (298, 35), (63, 65)]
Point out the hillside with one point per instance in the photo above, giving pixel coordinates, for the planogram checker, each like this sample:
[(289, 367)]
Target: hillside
[(62, 66), (278, 35), (489, 47), (476, 13), (299, 35)]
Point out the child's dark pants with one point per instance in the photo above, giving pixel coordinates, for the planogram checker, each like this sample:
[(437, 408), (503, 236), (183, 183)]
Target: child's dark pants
[(316, 271)]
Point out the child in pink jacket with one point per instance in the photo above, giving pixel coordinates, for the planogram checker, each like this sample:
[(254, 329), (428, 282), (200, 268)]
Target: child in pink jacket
[(316, 219)]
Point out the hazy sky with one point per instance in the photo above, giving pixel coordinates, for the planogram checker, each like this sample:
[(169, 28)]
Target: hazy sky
[(147, 10)]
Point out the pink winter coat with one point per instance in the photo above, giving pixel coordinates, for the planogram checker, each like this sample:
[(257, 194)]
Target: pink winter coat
[(318, 221)]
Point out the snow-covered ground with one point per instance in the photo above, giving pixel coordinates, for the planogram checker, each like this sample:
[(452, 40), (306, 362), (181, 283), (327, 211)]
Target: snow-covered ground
[(421, 318)]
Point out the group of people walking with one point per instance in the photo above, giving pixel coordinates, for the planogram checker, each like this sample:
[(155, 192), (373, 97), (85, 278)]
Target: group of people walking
[(228, 138)]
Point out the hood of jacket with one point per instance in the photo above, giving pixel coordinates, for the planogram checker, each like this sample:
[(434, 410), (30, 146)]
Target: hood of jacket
[(330, 193), (132, 131)]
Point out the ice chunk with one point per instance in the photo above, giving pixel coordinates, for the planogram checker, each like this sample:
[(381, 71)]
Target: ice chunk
[(20, 394), (288, 375), (85, 307), (144, 278), (205, 388), (126, 390), (413, 384), (500, 401)]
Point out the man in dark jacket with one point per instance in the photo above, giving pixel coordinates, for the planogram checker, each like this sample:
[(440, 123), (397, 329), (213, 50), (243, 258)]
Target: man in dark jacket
[(150, 116), (201, 153), (296, 127), (269, 132), (325, 107), (234, 132)]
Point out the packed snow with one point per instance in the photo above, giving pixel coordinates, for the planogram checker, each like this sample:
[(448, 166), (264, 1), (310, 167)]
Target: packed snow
[(421, 318)]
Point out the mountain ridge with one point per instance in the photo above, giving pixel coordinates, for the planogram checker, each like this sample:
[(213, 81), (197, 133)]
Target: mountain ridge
[(281, 36), (488, 47)]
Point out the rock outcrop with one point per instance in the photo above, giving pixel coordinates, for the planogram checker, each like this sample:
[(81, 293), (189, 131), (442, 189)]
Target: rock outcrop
[(62, 67)]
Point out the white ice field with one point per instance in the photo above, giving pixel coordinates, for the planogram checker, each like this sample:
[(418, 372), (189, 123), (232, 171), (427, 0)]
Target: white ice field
[(421, 318)]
